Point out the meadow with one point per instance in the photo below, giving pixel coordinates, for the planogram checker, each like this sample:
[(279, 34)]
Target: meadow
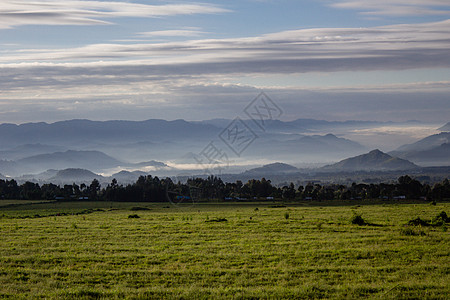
[(95, 250)]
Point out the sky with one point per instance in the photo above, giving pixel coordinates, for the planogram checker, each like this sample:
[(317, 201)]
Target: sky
[(136, 60)]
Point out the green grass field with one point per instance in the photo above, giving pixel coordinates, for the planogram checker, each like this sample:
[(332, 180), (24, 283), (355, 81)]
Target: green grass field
[(94, 250)]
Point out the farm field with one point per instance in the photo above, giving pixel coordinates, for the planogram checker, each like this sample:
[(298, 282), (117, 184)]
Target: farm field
[(96, 250)]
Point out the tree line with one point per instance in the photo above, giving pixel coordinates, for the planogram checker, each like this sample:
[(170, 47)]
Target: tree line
[(152, 189)]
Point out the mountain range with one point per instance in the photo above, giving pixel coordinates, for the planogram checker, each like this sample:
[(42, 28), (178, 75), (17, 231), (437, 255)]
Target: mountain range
[(174, 147), (94, 161)]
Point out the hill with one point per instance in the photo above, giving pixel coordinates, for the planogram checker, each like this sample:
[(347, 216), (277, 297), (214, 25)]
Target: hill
[(92, 160), (74, 175), (375, 160), (272, 169)]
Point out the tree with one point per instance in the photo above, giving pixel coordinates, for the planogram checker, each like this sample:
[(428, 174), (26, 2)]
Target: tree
[(94, 189)]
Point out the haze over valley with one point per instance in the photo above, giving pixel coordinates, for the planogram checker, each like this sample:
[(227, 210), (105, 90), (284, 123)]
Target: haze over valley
[(84, 149)]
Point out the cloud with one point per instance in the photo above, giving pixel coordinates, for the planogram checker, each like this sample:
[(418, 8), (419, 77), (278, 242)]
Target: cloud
[(396, 7), (199, 98), (186, 79), (393, 47), (188, 32), (74, 12)]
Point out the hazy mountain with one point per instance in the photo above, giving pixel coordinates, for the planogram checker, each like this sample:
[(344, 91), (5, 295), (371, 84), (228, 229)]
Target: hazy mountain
[(9, 168), (92, 160), (298, 125), (433, 150), (436, 156), (373, 161), (26, 150), (38, 177), (110, 146), (326, 143), (304, 148), (446, 127), (152, 163), (74, 175), (84, 132), (427, 143), (272, 169)]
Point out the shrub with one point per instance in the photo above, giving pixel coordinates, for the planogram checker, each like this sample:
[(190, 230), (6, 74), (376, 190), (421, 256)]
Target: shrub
[(357, 220), (133, 216), (418, 222), (137, 208), (217, 220), (286, 215), (411, 232), (441, 219)]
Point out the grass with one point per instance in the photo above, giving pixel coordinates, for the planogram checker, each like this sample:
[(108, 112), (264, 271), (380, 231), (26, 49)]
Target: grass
[(180, 253)]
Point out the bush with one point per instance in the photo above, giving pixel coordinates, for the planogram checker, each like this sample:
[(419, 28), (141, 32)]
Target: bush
[(286, 215), (217, 220), (137, 208), (418, 222), (133, 216), (411, 232), (357, 220), (441, 219)]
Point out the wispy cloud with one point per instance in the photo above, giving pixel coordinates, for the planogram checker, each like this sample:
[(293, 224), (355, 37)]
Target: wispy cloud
[(74, 12), (146, 80), (393, 47), (396, 7), (185, 32)]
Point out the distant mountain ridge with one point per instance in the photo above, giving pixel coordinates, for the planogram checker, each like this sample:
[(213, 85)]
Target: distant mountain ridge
[(436, 156), (105, 147), (433, 150), (94, 161), (76, 175), (426, 143), (80, 132), (274, 168), (446, 127), (27, 150), (375, 160)]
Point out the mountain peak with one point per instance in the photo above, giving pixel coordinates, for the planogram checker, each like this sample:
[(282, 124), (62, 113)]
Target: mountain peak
[(375, 160), (378, 153)]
